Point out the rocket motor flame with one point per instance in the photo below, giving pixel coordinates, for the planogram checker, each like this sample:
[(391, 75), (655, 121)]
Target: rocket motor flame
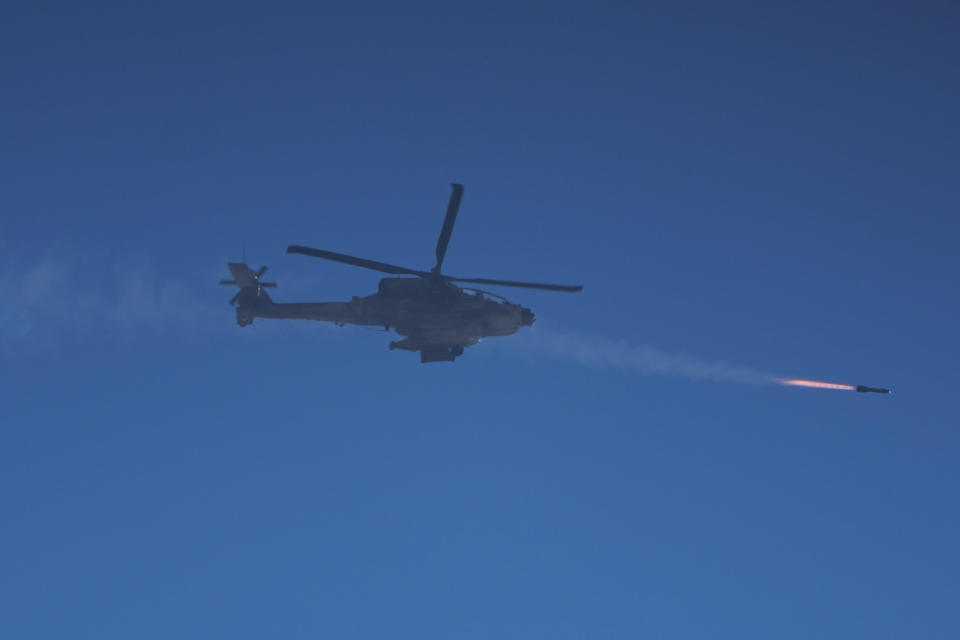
[(815, 384)]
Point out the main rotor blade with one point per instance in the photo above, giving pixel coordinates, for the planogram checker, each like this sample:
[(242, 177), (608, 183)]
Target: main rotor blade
[(566, 288), (452, 208), (357, 262)]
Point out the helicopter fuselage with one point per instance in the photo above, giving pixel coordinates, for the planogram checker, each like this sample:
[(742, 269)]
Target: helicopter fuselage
[(435, 317)]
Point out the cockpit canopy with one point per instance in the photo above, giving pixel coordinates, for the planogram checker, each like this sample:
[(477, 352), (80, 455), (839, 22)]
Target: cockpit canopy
[(416, 287), (485, 295)]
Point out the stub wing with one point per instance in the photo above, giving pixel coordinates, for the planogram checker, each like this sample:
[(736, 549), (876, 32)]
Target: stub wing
[(432, 351)]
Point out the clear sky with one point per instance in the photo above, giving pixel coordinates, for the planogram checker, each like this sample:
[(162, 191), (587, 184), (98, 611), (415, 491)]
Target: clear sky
[(769, 185)]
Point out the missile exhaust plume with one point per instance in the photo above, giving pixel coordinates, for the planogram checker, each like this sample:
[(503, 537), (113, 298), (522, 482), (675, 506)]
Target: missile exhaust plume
[(598, 352), (651, 360), (815, 384)]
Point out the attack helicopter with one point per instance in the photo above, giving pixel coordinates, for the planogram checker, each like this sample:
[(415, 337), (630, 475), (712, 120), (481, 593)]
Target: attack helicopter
[(432, 314)]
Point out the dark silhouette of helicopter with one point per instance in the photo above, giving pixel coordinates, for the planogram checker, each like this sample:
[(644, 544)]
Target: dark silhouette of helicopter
[(434, 316)]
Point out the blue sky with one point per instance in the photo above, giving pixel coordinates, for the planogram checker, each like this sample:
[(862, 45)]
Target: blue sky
[(765, 187)]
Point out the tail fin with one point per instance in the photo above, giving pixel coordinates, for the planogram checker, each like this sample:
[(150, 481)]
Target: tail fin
[(251, 289)]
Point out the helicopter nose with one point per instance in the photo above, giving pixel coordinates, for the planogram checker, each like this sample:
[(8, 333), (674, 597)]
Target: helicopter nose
[(527, 317)]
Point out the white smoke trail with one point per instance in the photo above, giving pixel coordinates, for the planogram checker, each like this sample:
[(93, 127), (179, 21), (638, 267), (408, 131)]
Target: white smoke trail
[(619, 354), (52, 296)]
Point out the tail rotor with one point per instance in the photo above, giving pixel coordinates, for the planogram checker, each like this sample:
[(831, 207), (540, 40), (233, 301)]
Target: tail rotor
[(249, 282)]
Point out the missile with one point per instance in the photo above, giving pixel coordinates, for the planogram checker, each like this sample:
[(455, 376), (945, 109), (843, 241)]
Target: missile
[(862, 389)]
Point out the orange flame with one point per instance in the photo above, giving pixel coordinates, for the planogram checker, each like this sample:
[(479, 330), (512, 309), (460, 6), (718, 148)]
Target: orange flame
[(814, 384)]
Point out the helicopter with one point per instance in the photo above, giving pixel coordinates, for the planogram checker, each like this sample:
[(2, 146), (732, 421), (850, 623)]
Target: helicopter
[(432, 314)]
